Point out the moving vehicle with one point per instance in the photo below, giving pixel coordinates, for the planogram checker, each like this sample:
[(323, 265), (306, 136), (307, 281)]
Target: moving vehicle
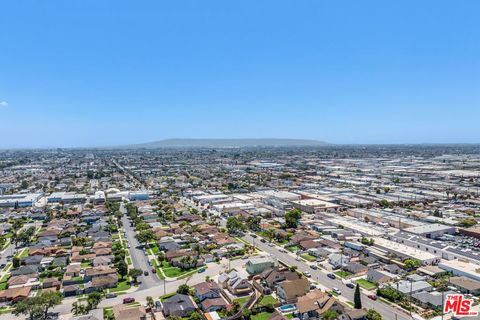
[(372, 296), (314, 267), (201, 270), (331, 276), (145, 273), (110, 295), (154, 270), (350, 285), (307, 274)]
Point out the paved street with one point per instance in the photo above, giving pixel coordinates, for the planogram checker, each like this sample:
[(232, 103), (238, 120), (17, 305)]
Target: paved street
[(139, 259), (388, 312)]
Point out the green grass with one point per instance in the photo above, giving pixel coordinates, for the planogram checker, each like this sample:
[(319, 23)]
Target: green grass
[(343, 274), (266, 300), (289, 316), (8, 267), (308, 257), (155, 264), (108, 313), (243, 300), (261, 316), (22, 254), (154, 249), (129, 261), (174, 272), (84, 265), (292, 248), (123, 285), (165, 297), (366, 284)]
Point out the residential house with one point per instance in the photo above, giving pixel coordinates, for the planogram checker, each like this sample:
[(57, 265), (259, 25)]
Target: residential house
[(235, 282), (179, 305), (290, 290), (258, 265)]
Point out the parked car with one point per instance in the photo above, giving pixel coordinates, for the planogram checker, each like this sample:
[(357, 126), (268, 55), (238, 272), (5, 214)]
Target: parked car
[(128, 300), (372, 296), (145, 273), (350, 285), (154, 270), (331, 276), (337, 291), (263, 240), (307, 274), (314, 267), (201, 270), (158, 305), (253, 235), (110, 295)]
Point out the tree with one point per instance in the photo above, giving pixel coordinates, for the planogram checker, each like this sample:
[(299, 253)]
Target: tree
[(30, 308), (135, 273), (150, 302), (16, 262), (357, 299), (468, 222), (234, 225), (93, 299), (270, 234), (145, 236), (329, 315), (195, 316), (411, 264), (161, 257), (292, 217), (122, 268), (253, 223), (373, 315), (48, 300), (247, 313), (78, 309), (183, 289)]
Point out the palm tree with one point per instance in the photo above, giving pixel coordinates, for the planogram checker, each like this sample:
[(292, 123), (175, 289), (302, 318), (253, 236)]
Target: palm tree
[(150, 303)]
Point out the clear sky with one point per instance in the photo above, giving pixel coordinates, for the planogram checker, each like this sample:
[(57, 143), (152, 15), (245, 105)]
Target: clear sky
[(98, 72)]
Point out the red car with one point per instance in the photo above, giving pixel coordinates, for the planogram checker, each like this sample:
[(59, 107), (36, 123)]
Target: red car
[(128, 300), (373, 297), (154, 270)]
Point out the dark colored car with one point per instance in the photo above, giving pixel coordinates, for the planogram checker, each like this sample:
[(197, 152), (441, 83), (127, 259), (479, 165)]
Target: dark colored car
[(145, 273), (331, 276), (128, 300), (350, 285)]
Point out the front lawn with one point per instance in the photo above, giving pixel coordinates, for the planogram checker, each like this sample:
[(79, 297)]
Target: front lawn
[(84, 265), (122, 285), (308, 257), (343, 274), (292, 248), (366, 284), (261, 316)]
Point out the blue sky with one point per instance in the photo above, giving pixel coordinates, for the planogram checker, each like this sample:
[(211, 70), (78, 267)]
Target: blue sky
[(93, 73)]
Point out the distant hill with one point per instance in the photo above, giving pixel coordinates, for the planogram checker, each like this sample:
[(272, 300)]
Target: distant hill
[(225, 143)]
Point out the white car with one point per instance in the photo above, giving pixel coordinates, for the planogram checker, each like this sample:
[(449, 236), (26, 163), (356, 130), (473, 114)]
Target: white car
[(337, 291)]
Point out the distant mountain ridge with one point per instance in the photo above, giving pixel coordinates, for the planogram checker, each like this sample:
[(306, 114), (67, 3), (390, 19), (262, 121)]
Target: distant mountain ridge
[(225, 143)]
